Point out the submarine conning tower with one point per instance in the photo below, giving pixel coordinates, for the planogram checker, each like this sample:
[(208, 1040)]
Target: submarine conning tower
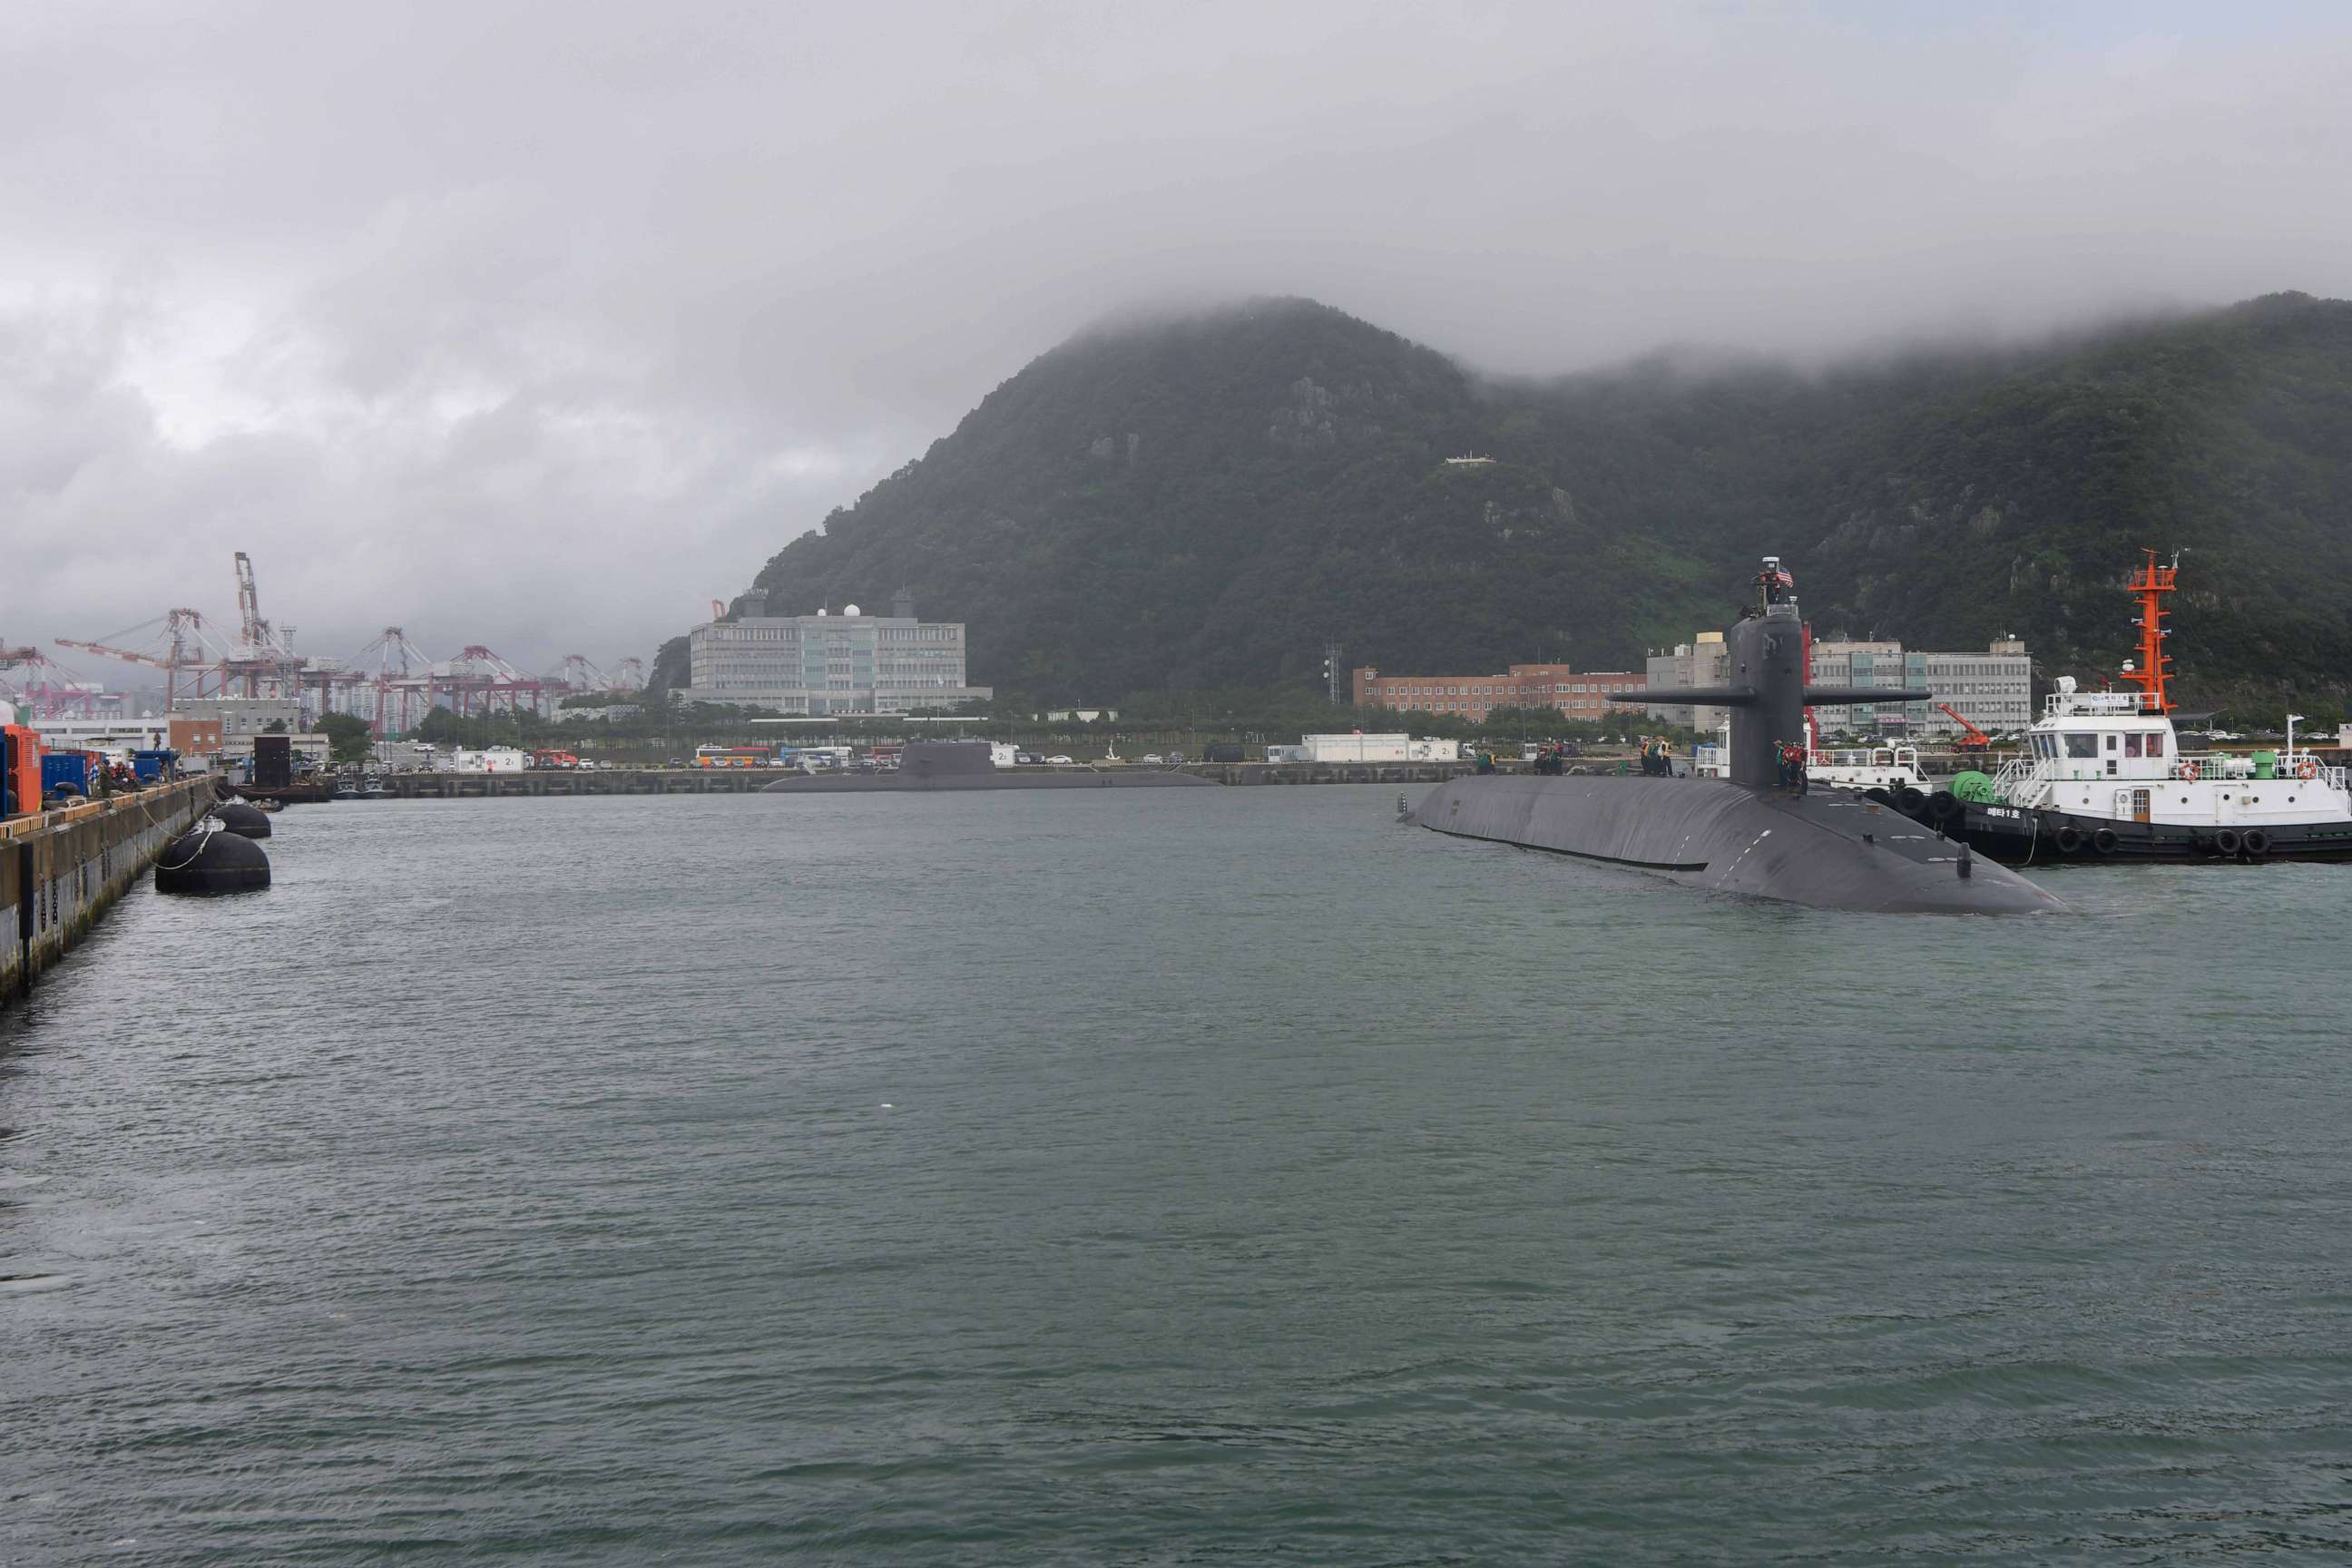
[(1768, 695)]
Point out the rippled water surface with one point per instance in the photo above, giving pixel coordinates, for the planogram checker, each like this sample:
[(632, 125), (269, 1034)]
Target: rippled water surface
[(1183, 1176)]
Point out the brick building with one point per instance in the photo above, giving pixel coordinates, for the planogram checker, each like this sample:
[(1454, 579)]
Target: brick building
[(1576, 694)]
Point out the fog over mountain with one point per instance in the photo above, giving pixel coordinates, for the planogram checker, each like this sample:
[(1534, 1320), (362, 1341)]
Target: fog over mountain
[(540, 325)]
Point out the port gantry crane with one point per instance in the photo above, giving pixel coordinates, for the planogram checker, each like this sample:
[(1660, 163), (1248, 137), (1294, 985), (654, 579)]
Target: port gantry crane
[(478, 681), (185, 655), (51, 690), (582, 674), (405, 683), (264, 661)]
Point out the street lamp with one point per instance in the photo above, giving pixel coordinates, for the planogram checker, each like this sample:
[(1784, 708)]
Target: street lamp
[(2290, 737)]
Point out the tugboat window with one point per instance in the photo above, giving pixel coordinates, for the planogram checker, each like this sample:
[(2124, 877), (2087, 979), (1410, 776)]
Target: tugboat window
[(2131, 745), (2079, 745), (2155, 745)]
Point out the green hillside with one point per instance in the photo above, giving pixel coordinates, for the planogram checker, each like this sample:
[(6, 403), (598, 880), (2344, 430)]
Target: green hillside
[(1205, 502)]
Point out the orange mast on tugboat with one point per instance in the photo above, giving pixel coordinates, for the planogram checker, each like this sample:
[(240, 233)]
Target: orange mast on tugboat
[(2151, 584)]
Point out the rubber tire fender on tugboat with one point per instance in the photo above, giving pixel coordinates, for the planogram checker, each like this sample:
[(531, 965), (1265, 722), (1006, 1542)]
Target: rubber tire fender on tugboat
[(2070, 839), (1908, 800), (2226, 841), (2103, 841), (1942, 805), (2256, 843)]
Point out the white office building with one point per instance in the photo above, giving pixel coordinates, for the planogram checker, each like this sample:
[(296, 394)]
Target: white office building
[(828, 663), (1992, 689), (102, 734)]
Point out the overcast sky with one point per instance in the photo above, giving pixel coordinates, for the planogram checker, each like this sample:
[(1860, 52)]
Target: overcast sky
[(538, 326)]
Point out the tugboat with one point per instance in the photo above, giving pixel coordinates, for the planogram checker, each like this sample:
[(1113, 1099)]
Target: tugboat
[(2105, 780)]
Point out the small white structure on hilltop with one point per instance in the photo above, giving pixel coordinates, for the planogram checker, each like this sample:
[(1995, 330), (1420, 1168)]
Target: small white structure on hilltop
[(1360, 748)]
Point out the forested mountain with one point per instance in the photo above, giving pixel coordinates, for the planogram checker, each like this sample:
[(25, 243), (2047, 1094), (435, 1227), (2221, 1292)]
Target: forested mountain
[(1207, 500)]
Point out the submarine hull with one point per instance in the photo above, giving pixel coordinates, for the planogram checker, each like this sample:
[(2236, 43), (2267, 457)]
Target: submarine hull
[(1827, 848)]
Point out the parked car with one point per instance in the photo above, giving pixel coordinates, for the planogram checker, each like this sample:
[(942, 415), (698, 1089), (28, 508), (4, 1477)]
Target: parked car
[(1177, 759), (1028, 758), (1154, 759), (1059, 760)]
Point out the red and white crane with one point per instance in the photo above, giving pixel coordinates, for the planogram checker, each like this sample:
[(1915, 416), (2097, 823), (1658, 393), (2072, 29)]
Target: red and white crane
[(173, 642)]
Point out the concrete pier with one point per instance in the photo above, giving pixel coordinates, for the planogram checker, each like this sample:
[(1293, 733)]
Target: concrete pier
[(60, 870)]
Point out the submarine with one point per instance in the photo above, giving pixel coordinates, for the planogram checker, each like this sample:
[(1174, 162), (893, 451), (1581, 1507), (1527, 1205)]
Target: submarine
[(1753, 832), (929, 766)]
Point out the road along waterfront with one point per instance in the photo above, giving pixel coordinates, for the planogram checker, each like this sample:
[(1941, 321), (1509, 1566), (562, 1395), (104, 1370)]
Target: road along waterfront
[(1161, 1176)]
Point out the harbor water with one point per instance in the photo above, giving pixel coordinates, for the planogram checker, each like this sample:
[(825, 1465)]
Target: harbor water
[(1185, 1176)]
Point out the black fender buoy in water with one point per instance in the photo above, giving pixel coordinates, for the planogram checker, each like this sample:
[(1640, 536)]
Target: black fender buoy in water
[(206, 859), (246, 821), (2226, 841), (2256, 842), (1908, 800), (2103, 841), (1942, 805), (2069, 838)]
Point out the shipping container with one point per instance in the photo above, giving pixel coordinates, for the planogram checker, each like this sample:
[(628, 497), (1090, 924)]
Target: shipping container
[(20, 771)]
